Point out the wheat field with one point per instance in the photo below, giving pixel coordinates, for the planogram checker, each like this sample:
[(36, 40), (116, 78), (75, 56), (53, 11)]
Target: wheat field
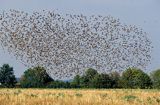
[(79, 97)]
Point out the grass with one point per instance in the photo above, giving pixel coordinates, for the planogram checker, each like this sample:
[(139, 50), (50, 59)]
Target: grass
[(79, 97)]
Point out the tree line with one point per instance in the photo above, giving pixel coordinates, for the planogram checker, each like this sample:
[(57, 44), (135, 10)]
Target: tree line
[(37, 77)]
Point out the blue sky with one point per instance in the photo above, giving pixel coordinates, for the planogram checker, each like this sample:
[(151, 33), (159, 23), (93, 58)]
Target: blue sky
[(142, 13)]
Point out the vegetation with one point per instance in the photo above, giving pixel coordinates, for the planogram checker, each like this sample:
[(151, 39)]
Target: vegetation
[(76, 82), (135, 78), (155, 76), (115, 77), (101, 81), (79, 97), (58, 84), (7, 77), (37, 77), (86, 79)]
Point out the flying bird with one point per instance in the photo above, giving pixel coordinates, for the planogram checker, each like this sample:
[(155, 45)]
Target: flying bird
[(68, 44)]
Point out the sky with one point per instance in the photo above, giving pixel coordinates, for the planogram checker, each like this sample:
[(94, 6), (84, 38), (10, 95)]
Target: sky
[(142, 13)]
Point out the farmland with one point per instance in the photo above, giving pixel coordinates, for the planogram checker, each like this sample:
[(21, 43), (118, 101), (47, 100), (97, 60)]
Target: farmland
[(79, 97)]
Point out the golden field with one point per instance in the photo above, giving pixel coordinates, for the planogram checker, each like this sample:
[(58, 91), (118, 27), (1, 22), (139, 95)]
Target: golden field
[(79, 97)]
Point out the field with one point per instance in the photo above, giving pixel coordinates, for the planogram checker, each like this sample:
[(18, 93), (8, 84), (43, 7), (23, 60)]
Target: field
[(79, 97)]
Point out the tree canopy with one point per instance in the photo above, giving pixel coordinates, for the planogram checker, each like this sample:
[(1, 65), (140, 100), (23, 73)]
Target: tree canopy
[(35, 77), (155, 76), (7, 77), (135, 78)]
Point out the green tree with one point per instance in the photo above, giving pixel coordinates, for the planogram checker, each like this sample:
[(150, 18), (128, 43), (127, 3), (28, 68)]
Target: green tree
[(135, 78), (7, 77), (76, 82), (115, 77), (101, 81), (85, 80), (36, 77), (155, 76)]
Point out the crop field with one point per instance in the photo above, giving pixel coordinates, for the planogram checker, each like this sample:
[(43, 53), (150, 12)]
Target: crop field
[(79, 97)]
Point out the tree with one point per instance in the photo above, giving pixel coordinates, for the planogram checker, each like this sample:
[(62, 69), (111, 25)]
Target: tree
[(85, 80), (35, 77), (7, 77), (115, 77), (76, 82), (155, 76), (101, 81), (135, 78)]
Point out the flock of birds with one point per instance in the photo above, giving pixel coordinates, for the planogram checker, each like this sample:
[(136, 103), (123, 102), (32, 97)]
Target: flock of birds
[(68, 44)]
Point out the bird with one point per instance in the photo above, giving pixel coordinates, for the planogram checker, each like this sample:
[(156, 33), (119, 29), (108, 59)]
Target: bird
[(68, 44)]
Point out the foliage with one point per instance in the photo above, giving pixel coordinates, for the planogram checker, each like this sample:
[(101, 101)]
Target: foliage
[(76, 82), (155, 76), (7, 77), (58, 84), (115, 77), (135, 78), (35, 77), (101, 81), (79, 97), (86, 79)]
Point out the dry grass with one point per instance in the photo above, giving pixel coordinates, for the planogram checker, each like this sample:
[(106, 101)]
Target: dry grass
[(78, 97)]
